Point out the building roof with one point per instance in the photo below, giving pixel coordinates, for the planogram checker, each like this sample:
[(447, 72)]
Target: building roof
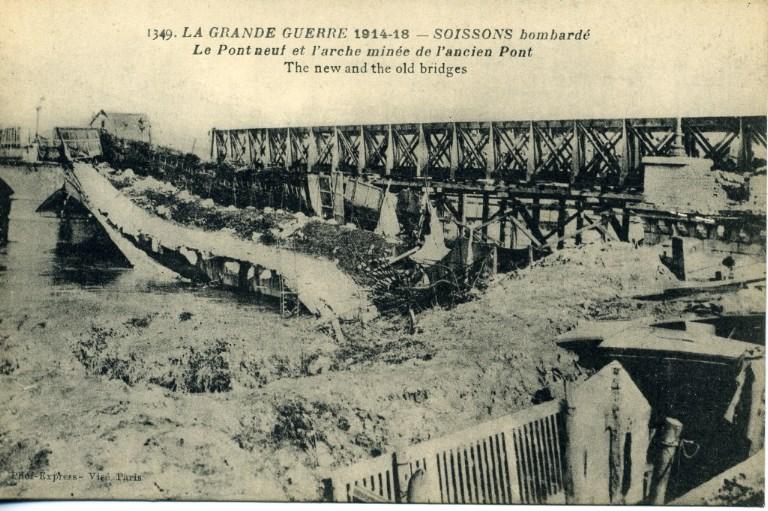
[(625, 337), (5, 189), (123, 120)]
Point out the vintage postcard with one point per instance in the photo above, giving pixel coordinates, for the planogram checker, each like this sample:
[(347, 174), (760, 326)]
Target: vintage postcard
[(487, 252)]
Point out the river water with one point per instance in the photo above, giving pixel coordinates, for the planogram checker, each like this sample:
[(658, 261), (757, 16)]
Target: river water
[(46, 256)]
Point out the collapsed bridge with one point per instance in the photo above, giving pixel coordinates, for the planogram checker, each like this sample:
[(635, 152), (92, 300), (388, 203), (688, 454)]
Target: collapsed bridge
[(499, 194)]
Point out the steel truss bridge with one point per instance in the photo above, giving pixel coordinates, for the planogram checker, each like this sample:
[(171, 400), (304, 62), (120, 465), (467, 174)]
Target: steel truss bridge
[(589, 171), (604, 153)]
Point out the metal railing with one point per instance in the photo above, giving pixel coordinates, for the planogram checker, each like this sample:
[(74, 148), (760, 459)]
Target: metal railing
[(10, 138)]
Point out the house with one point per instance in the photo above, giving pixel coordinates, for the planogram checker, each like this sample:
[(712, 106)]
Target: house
[(124, 125)]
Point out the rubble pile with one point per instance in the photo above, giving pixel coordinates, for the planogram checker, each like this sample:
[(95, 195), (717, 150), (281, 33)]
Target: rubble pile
[(697, 187), (736, 186), (600, 271), (353, 248), (245, 223)]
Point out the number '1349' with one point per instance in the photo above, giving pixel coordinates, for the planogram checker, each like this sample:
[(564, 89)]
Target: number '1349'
[(159, 33)]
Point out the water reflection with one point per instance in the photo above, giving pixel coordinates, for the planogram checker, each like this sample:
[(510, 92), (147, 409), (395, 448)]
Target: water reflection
[(85, 255), (5, 211), (48, 257), (42, 250)]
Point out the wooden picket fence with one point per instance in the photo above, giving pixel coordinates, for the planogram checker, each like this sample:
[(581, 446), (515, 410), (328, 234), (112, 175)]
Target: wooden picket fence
[(516, 459)]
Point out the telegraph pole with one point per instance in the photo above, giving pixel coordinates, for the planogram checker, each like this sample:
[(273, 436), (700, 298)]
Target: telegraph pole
[(37, 118)]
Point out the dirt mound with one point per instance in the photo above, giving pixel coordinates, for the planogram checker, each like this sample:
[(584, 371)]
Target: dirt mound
[(506, 337), (323, 433), (27, 456), (185, 352), (244, 222), (594, 271), (206, 370)]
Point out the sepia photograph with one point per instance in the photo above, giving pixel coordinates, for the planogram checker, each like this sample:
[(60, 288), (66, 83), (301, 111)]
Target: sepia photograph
[(433, 252)]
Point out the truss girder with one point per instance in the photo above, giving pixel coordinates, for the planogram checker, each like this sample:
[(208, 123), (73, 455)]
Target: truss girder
[(605, 153)]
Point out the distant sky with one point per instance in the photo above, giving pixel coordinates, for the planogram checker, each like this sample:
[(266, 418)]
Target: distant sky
[(650, 58)]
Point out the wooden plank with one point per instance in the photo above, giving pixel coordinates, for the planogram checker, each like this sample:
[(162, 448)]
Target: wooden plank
[(362, 494), (485, 217), (489, 468), (530, 469), (457, 479), (541, 456), (448, 496), (551, 441), (505, 477), (538, 463), (490, 158), (441, 481), (524, 230), (523, 469), (470, 474), (531, 155)]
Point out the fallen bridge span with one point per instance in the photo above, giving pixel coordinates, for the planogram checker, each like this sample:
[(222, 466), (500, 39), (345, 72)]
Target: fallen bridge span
[(318, 284)]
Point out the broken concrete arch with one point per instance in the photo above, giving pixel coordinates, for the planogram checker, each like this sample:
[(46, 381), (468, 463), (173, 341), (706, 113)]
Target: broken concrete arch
[(171, 250)]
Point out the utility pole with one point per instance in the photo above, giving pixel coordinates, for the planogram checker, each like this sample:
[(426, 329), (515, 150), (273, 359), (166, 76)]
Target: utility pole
[(37, 118)]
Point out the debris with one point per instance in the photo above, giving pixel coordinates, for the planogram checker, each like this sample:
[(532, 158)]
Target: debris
[(321, 364), (666, 444), (387, 225)]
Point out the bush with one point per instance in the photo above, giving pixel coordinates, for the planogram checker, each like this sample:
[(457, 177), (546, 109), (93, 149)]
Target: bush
[(208, 371)]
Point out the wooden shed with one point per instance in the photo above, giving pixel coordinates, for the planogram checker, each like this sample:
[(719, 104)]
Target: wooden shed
[(129, 126)]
